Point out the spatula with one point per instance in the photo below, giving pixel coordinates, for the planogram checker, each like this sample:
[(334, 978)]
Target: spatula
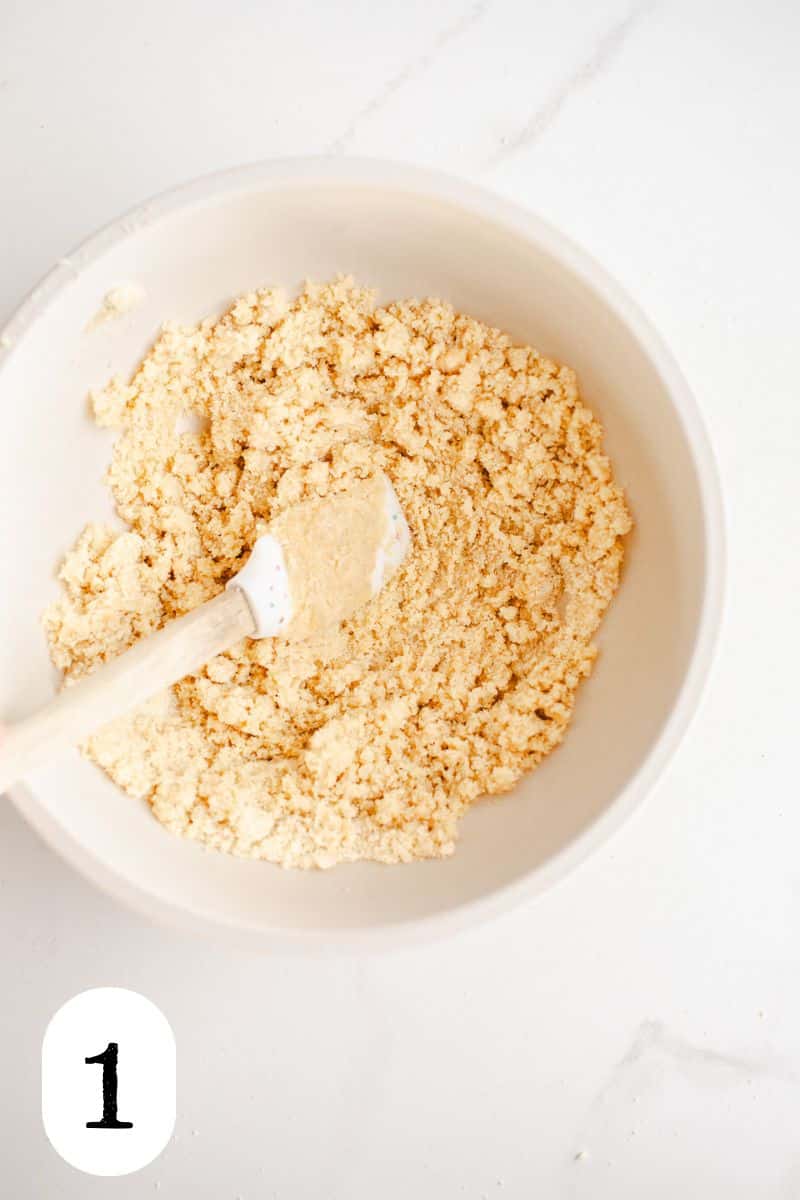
[(312, 568)]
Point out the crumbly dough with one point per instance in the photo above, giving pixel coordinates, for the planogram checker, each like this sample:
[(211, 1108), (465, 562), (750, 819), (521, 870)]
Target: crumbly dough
[(371, 741), (116, 303)]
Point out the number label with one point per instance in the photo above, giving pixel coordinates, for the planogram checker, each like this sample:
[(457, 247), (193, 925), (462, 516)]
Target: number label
[(108, 1053), (109, 1059)]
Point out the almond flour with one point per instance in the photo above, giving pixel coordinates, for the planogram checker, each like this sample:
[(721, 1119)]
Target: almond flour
[(369, 742)]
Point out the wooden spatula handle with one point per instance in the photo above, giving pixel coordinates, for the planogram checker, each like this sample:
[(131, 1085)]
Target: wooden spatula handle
[(154, 663)]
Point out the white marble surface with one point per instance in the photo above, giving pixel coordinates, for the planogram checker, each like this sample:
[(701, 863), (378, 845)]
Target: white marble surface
[(636, 1032)]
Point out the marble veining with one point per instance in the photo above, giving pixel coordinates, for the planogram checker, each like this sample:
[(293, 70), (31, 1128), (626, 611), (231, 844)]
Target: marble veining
[(657, 1064), (602, 55), (703, 1062), (419, 64)]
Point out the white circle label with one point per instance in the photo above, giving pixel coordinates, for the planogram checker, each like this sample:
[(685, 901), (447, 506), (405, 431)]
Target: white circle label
[(108, 1081)]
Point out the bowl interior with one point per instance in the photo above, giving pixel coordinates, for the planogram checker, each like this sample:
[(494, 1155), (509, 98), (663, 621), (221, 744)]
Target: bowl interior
[(192, 259)]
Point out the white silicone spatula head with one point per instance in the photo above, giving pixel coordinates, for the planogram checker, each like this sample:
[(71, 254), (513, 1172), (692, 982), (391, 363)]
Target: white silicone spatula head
[(321, 561)]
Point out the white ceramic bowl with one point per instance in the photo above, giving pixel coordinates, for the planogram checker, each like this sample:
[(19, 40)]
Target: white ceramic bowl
[(407, 232)]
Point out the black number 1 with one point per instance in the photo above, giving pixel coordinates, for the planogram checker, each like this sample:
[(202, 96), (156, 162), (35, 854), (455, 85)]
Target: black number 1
[(109, 1060)]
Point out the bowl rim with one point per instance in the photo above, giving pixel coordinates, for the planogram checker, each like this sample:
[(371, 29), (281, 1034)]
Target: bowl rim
[(273, 174)]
